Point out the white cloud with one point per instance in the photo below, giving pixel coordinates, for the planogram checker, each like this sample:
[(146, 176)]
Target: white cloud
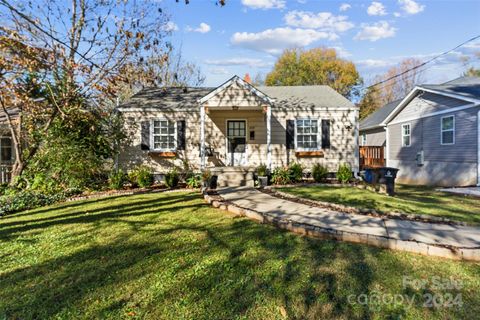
[(219, 71), (342, 53), (411, 7), (322, 20), (375, 31), (264, 4), (274, 41), (239, 62), (344, 7), (376, 9), (170, 26), (202, 28), (375, 63)]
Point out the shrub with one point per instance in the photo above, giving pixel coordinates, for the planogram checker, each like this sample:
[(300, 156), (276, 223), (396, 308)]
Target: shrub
[(24, 200), (344, 173), (262, 170), (281, 176), (141, 176), (194, 181), (117, 179), (319, 172), (295, 171), (171, 178)]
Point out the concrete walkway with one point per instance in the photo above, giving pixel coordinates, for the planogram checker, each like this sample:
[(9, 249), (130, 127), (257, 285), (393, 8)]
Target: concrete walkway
[(467, 191), (427, 233)]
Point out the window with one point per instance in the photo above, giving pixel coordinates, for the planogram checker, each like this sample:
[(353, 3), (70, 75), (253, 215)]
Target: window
[(163, 135), (448, 130), (307, 134), (363, 142), (6, 150), (406, 139)]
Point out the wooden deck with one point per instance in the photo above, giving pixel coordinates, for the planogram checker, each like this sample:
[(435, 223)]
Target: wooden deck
[(372, 157)]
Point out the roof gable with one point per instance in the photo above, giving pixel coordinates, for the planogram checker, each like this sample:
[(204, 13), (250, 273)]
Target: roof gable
[(375, 119), (235, 91)]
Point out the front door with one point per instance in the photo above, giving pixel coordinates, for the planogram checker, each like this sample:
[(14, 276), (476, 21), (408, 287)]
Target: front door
[(236, 142)]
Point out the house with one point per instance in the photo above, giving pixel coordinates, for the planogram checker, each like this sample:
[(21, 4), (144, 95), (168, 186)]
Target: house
[(373, 137), (372, 133), (237, 126), (433, 134), (7, 154)]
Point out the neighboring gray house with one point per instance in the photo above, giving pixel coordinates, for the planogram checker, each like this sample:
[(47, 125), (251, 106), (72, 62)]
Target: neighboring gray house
[(433, 134), (372, 132), (239, 126)]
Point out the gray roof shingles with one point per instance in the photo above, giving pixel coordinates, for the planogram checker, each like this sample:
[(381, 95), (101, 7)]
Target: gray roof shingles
[(468, 87), (176, 98), (375, 119)]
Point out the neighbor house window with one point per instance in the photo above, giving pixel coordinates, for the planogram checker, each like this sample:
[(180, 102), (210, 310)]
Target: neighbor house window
[(406, 135), (363, 142), (448, 130), (307, 134), (6, 150), (163, 135)]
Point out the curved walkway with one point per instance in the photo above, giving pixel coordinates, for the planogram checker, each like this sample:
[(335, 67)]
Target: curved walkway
[(445, 240)]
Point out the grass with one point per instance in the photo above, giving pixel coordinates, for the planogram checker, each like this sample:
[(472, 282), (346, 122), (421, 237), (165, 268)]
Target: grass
[(408, 199), (170, 256)]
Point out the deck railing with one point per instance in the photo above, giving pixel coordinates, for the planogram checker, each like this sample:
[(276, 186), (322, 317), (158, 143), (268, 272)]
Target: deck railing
[(372, 157)]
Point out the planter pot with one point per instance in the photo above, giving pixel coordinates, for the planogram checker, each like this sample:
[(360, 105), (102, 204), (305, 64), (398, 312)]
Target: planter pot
[(213, 182), (262, 181)]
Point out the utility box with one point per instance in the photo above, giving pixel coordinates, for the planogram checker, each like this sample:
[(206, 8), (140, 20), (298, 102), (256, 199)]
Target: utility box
[(420, 158)]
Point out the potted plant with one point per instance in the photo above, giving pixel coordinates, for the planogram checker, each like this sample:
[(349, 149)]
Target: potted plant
[(262, 175), (206, 178)]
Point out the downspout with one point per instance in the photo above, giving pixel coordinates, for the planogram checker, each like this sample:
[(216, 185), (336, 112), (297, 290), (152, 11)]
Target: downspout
[(387, 146), (356, 124)]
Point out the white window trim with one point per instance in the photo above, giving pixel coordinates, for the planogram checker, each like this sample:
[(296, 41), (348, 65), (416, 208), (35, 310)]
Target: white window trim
[(152, 139), (442, 130), (405, 135), (319, 136), (363, 141)]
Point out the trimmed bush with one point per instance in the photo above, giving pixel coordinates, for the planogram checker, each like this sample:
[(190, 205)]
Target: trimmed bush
[(344, 173), (117, 179), (281, 175), (171, 178), (141, 176), (319, 172), (262, 170), (295, 171)]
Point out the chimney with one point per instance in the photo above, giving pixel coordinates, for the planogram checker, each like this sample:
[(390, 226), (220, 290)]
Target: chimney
[(247, 78)]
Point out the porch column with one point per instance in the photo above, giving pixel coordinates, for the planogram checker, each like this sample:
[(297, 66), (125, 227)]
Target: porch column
[(269, 137), (202, 137)]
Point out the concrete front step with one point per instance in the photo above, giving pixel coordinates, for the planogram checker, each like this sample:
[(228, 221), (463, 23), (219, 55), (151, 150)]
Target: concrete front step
[(233, 176)]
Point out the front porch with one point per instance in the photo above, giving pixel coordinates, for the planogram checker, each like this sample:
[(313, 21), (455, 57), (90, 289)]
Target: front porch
[(235, 126)]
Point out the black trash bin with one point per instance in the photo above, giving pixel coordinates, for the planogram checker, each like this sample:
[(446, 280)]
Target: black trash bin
[(388, 176)]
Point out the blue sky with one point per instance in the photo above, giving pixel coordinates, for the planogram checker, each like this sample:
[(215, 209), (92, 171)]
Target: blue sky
[(248, 35)]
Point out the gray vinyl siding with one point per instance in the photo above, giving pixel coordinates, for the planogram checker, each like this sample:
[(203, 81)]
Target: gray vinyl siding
[(375, 137), (448, 165), (426, 133), (426, 103)]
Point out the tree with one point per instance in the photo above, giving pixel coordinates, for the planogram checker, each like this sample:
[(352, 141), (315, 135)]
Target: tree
[(319, 66), (394, 84), (166, 70), (70, 53)]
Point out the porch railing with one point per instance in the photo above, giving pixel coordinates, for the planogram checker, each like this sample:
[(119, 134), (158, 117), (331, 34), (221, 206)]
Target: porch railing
[(372, 157), (5, 173)]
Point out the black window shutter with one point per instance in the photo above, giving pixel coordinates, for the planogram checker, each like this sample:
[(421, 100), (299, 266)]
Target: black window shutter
[(181, 135), (290, 134), (145, 126), (325, 133)]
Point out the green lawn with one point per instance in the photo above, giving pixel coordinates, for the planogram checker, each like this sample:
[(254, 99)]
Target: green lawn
[(170, 256), (408, 199)]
